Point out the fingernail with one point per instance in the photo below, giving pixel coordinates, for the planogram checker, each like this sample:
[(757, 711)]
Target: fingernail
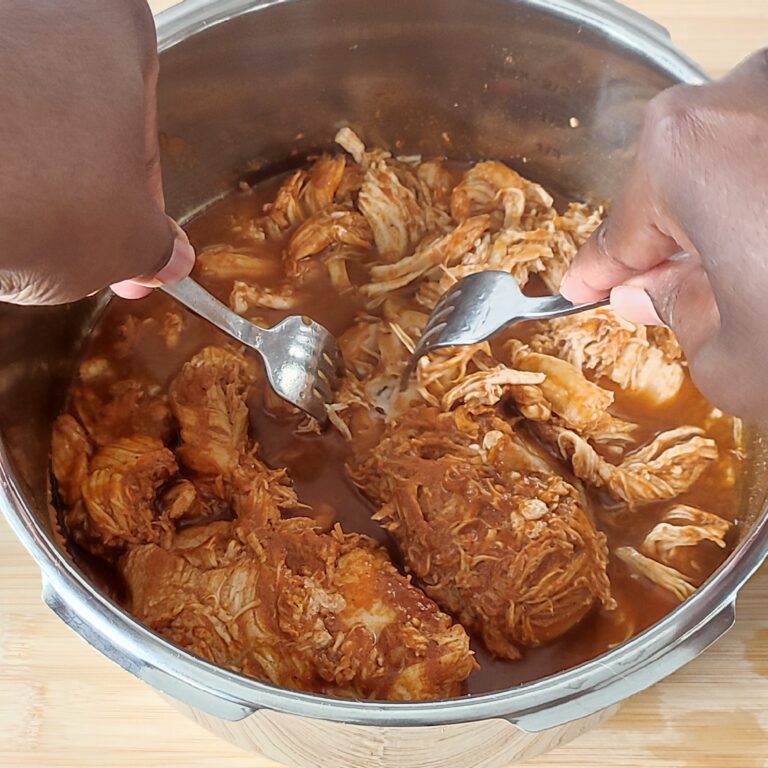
[(127, 289), (634, 304), (577, 291)]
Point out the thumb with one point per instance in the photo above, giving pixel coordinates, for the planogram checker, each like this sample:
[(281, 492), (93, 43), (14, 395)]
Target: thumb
[(676, 293), (176, 266), (626, 244)]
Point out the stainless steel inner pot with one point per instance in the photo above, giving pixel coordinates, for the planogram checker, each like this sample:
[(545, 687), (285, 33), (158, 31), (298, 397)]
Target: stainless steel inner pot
[(246, 86)]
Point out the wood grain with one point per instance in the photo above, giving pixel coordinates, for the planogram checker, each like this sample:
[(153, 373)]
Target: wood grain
[(63, 705)]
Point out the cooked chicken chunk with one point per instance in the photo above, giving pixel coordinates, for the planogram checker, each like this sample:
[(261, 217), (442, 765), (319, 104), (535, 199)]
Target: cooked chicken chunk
[(511, 552), (325, 178), (116, 408), (667, 578), (333, 228), (299, 608), (684, 526), (121, 490), (580, 404), (71, 451), (603, 344), (665, 468), (208, 398), (303, 194), (223, 262)]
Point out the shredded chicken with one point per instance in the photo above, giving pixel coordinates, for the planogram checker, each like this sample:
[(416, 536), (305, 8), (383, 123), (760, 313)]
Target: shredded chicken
[(444, 249), (494, 188), (335, 227), (392, 211), (208, 398), (580, 404), (245, 297), (491, 466), (662, 575), (304, 194), (684, 526), (487, 387), (299, 608), (132, 333), (121, 408), (665, 468), (370, 394), (121, 488), (508, 550), (603, 344)]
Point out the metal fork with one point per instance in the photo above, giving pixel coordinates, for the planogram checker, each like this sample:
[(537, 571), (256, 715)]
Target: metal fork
[(482, 304), (301, 358)]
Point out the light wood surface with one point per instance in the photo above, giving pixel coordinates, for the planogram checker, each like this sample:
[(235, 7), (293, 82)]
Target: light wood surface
[(64, 705)]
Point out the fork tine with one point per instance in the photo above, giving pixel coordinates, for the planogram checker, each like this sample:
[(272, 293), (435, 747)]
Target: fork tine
[(447, 299), (332, 367), (431, 335), (440, 314), (322, 391), (408, 370)]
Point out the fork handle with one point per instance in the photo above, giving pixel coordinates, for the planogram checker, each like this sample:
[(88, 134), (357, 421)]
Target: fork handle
[(204, 304), (548, 307)]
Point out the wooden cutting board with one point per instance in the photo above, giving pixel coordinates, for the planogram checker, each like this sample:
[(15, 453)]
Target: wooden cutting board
[(63, 705)]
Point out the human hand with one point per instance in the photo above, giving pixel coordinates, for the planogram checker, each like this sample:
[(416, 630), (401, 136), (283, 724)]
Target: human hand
[(81, 201), (686, 243)]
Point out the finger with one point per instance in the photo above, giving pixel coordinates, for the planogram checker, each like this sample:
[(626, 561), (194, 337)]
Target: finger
[(626, 244), (677, 293), (177, 267), (634, 304), (127, 289), (755, 64)]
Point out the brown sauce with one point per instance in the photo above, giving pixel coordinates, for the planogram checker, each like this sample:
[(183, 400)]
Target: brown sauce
[(316, 462)]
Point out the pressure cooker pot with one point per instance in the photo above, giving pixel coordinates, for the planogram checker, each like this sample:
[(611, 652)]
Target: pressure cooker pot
[(555, 88)]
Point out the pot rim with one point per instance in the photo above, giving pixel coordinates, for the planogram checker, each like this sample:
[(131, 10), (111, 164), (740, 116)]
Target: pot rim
[(534, 706)]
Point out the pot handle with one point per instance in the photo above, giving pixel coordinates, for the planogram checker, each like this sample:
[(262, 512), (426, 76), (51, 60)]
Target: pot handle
[(133, 660), (623, 683)]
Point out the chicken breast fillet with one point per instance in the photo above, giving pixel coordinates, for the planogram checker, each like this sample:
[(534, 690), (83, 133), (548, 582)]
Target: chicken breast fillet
[(506, 547), (277, 598), (605, 345), (307, 610)]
